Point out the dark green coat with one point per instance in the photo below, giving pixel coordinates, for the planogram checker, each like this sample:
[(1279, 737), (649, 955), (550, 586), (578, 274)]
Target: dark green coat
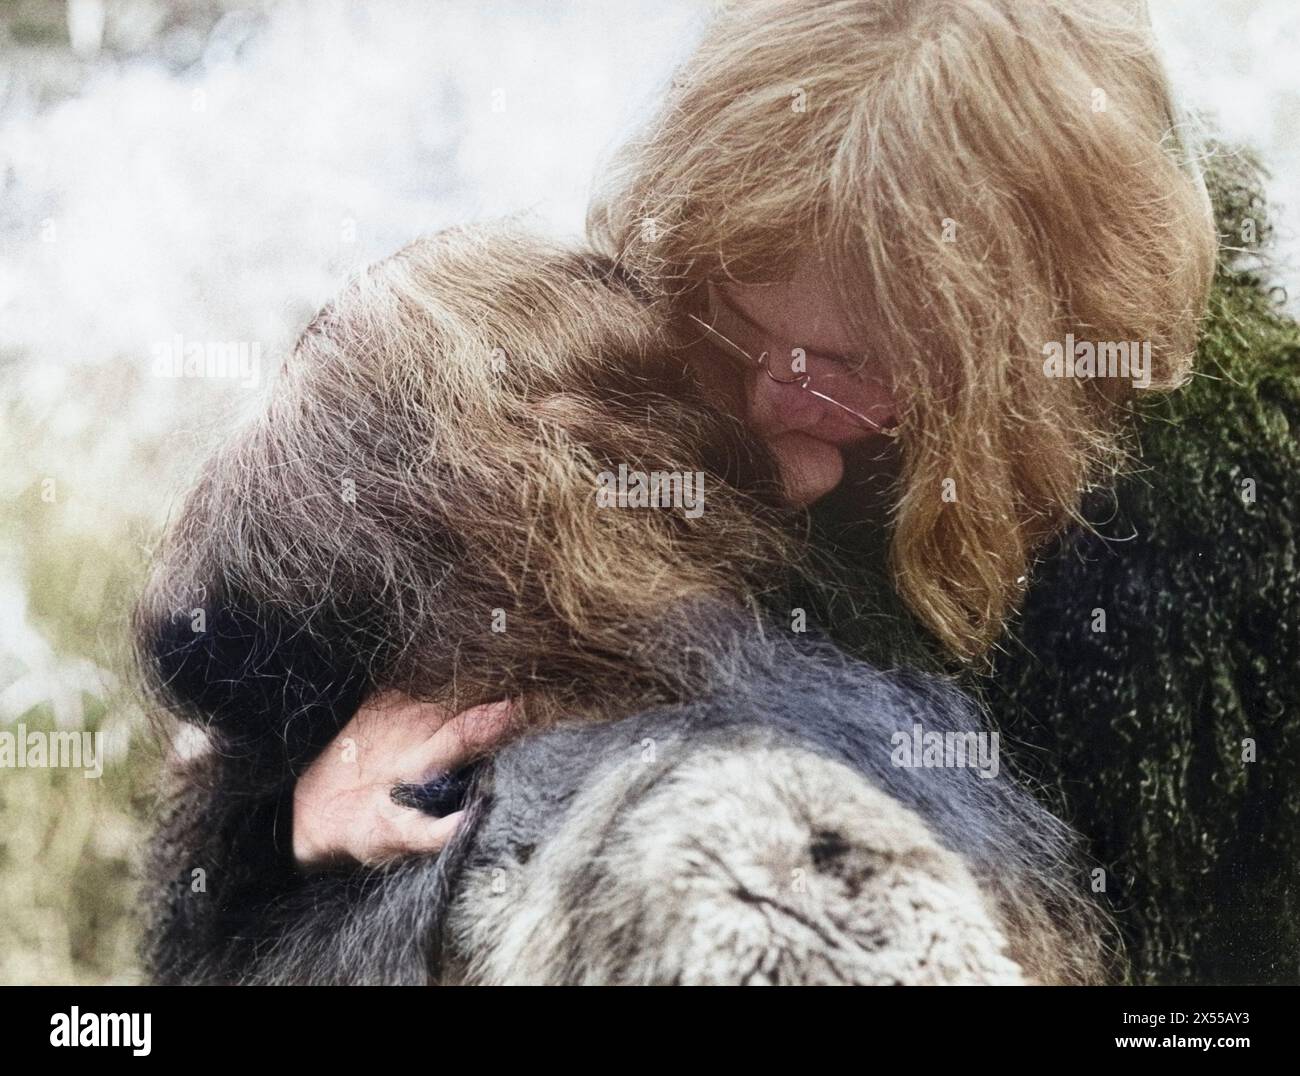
[(1141, 733)]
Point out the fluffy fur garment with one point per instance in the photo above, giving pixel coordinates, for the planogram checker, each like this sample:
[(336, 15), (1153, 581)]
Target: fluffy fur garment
[(762, 834), (1171, 736)]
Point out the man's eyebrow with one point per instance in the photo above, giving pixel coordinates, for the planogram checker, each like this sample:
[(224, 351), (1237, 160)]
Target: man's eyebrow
[(749, 319)]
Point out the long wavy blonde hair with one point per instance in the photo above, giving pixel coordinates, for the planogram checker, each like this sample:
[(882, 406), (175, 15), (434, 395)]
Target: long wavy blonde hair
[(980, 177)]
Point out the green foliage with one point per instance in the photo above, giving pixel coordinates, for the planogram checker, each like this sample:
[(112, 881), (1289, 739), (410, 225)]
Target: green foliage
[(68, 842), (66, 850)]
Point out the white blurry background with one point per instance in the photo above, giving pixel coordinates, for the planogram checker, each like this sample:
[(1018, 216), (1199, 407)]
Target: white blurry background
[(212, 169)]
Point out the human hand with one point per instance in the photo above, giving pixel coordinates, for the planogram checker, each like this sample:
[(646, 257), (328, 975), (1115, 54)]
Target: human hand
[(343, 808)]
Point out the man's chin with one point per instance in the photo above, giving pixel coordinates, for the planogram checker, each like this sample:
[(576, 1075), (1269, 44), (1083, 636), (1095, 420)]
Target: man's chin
[(810, 469)]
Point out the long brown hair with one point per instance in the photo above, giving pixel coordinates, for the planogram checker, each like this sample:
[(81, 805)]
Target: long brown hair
[(980, 178), (420, 488)]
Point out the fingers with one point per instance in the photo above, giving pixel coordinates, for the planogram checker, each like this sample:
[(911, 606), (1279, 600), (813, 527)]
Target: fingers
[(368, 829), (460, 740), (343, 805), (417, 739), (391, 717), (408, 833)]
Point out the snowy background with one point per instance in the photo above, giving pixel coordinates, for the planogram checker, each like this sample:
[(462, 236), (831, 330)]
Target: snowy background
[(212, 169)]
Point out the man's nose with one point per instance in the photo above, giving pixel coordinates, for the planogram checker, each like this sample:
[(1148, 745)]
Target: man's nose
[(776, 408)]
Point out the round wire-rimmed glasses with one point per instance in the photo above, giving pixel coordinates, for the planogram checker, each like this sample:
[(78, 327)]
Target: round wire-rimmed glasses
[(803, 379)]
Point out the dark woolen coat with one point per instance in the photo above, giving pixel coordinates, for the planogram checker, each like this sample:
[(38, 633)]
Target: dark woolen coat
[(1143, 733)]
